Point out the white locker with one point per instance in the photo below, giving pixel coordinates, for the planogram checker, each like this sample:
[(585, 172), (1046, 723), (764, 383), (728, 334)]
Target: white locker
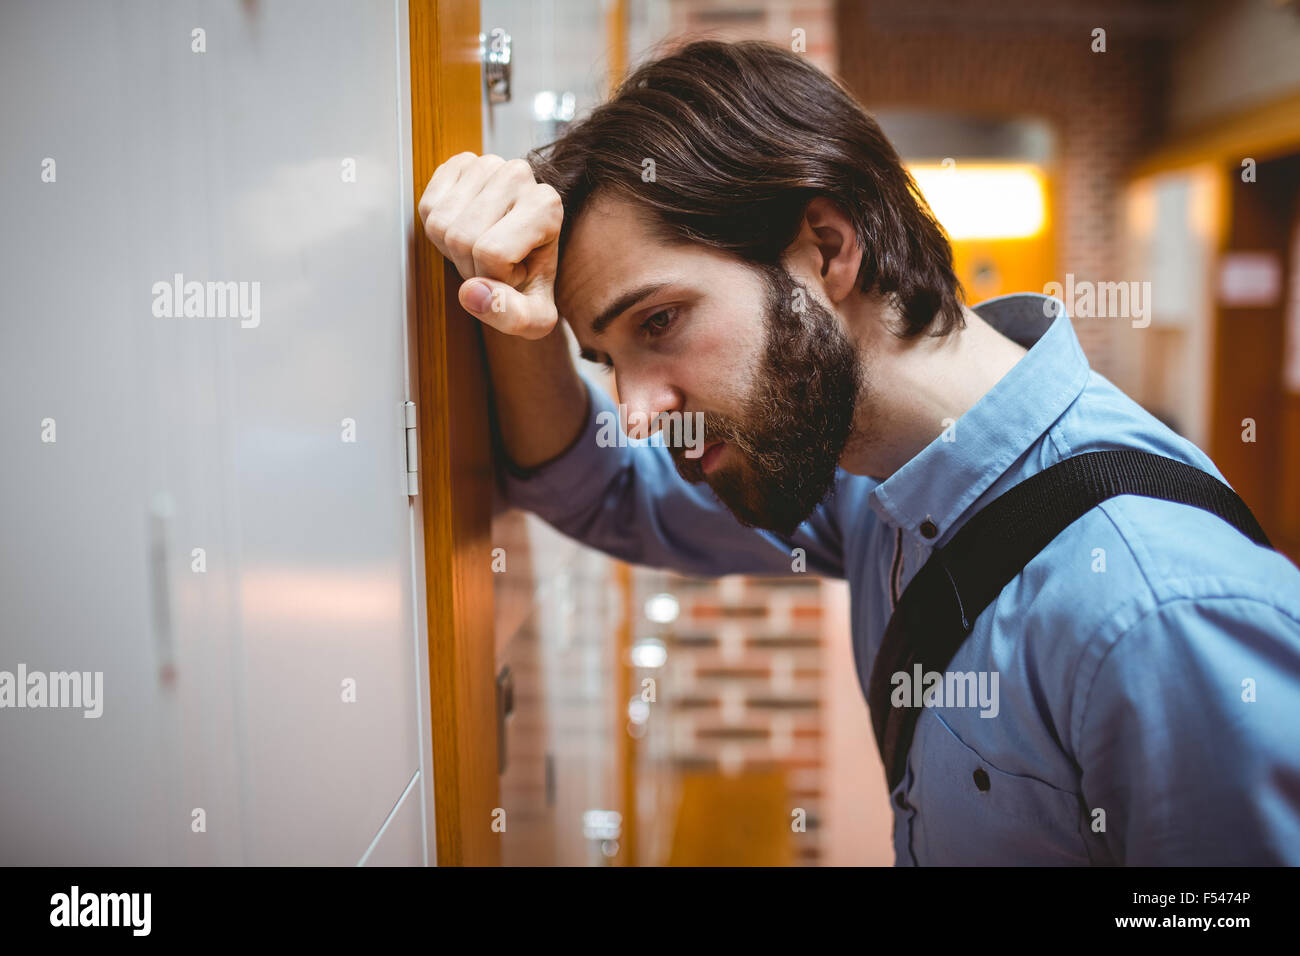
[(220, 525)]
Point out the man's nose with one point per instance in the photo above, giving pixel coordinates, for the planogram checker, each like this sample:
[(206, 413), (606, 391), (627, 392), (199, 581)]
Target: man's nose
[(645, 401)]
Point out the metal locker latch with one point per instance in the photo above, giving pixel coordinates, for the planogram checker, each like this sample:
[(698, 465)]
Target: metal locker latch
[(494, 51)]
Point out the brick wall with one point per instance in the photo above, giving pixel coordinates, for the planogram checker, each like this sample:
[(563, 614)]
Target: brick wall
[(742, 689)]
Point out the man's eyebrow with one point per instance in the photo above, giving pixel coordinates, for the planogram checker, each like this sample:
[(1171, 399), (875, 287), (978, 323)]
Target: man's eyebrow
[(624, 302)]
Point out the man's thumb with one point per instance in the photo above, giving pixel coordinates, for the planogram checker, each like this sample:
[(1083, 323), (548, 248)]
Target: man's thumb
[(508, 310), (477, 296)]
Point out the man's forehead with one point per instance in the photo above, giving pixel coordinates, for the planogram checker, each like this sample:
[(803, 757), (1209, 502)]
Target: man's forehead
[(615, 246)]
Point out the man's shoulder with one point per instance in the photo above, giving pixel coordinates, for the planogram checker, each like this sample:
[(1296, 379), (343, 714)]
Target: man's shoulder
[(1164, 540), (1132, 554), (1151, 586), (1104, 416)]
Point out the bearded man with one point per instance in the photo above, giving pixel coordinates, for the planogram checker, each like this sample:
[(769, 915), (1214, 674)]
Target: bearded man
[(732, 235)]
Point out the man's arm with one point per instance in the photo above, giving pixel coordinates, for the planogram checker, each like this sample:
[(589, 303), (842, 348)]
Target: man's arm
[(1188, 739), (541, 401)]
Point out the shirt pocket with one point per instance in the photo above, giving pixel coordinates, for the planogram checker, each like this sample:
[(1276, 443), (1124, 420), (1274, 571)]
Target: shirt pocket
[(970, 813)]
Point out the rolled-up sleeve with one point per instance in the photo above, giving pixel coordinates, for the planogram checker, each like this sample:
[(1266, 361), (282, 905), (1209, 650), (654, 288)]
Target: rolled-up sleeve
[(630, 502), (1189, 739)]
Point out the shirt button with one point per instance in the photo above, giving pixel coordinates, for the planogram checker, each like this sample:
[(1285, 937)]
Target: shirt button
[(928, 529), (982, 780)]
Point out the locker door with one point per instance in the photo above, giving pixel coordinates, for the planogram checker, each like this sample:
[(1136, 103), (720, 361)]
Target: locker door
[(221, 526), (89, 512), (308, 198)]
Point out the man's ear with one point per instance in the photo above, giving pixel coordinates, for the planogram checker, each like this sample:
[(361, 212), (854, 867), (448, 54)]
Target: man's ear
[(827, 245)]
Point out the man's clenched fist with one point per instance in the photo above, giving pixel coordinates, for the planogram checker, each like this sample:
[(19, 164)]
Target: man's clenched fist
[(501, 229)]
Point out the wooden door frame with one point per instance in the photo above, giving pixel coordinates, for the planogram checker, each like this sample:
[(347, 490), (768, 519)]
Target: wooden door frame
[(455, 452), (625, 751)]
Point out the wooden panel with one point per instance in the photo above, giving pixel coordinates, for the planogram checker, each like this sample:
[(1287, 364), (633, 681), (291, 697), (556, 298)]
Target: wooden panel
[(733, 821), (625, 749), (1287, 536), (455, 453), (1249, 348)]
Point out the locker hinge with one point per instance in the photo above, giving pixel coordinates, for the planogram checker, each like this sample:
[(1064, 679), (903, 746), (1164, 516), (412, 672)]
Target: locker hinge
[(412, 460)]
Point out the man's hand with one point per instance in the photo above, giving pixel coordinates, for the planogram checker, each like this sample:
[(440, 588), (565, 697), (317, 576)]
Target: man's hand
[(501, 230)]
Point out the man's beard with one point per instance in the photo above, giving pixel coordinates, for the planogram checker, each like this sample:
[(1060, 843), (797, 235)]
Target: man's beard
[(796, 423)]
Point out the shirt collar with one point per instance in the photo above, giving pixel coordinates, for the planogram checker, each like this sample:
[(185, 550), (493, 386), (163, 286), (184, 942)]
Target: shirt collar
[(942, 481)]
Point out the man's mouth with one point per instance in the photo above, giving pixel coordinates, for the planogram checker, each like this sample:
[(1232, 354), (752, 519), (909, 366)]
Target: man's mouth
[(712, 455)]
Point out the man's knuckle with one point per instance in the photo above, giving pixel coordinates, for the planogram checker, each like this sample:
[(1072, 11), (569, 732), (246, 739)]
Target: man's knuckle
[(519, 168), (437, 220), (552, 206), (488, 252), (458, 239), (435, 229)]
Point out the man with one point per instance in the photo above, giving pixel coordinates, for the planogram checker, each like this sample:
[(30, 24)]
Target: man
[(733, 236)]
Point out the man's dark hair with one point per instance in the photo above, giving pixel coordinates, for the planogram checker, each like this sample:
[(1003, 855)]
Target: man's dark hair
[(743, 135)]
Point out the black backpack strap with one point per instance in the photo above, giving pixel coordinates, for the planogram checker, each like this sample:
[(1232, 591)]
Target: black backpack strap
[(939, 606)]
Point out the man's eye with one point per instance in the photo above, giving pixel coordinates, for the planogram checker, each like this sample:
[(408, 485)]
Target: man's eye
[(658, 323), (605, 362)]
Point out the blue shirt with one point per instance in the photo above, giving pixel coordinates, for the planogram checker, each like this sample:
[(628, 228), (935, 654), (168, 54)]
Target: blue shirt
[(1147, 660)]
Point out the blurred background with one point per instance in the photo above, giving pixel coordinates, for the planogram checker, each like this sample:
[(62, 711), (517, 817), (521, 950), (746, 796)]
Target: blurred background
[(1163, 150), (325, 640)]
